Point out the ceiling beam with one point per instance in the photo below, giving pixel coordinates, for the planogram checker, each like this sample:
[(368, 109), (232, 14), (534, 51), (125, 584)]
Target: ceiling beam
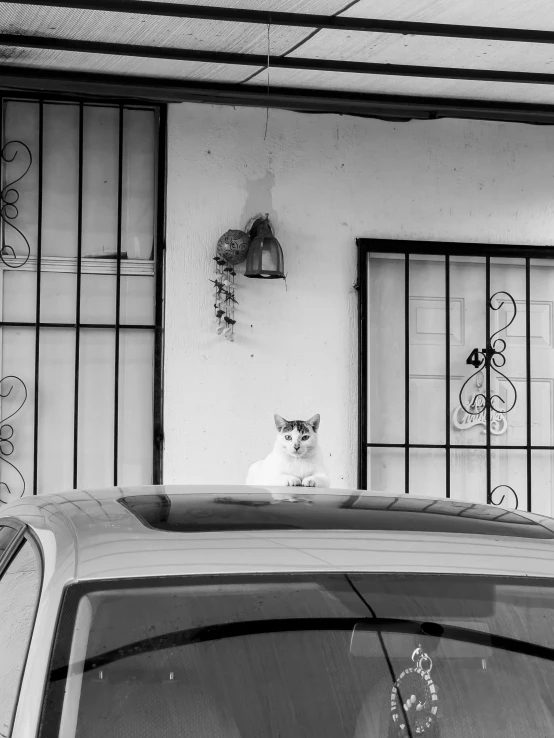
[(53, 83), (282, 62), (276, 18)]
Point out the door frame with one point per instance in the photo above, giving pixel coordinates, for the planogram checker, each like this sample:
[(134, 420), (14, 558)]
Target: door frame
[(406, 248)]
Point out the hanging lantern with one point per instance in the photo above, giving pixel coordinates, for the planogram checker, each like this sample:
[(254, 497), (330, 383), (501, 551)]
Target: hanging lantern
[(265, 256)]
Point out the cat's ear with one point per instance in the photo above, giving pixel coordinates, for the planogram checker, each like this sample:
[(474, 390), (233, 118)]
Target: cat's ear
[(280, 422), (314, 422)]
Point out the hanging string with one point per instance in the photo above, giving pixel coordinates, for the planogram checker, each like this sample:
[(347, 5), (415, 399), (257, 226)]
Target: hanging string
[(267, 93)]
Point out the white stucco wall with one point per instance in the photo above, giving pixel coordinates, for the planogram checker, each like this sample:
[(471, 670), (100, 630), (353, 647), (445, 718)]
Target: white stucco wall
[(324, 180)]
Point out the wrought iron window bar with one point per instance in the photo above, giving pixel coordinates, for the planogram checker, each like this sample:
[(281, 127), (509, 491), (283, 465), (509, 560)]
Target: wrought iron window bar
[(487, 359), (11, 259)]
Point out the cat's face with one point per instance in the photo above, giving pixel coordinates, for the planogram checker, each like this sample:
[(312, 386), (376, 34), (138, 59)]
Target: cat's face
[(297, 437)]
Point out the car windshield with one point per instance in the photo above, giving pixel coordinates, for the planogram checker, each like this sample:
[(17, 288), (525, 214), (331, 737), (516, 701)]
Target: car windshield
[(301, 656)]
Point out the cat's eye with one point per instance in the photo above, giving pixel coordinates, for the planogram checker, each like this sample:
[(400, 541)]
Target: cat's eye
[(288, 438), (305, 438)]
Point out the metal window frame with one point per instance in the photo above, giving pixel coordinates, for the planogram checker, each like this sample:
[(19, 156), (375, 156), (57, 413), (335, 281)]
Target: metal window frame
[(446, 249), (157, 327)]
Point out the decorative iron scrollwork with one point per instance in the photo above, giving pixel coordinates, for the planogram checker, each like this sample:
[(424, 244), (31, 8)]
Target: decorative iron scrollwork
[(6, 436), (484, 407), (492, 358), (9, 211), (505, 486)]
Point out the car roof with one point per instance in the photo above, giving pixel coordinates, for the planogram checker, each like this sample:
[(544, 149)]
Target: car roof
[(195, 529)]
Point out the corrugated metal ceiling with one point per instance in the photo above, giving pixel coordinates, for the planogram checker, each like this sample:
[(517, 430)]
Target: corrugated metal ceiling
[(441, 52), (174, 35), (105, 63), (94, 25), (531, 14)]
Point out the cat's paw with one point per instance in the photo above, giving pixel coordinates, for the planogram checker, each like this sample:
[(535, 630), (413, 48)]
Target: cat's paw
[(291, 481), (310, 482)]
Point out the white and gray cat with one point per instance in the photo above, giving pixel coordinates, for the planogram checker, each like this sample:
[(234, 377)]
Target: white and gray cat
[(296, 459)]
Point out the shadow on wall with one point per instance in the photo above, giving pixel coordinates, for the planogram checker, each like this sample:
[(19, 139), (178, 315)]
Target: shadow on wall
[(259, 200)]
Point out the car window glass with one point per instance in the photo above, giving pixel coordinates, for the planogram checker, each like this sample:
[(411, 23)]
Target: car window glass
[(19, 591), (304, 656)]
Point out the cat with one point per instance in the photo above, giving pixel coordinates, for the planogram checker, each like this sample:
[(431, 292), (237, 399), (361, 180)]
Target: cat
[(296, 459)]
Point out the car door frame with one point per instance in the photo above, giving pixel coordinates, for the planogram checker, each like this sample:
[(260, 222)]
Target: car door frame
[(23, 533), (19, 529)]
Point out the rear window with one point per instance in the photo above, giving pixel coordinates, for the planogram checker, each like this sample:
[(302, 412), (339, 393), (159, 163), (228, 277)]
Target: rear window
[(322, 656)]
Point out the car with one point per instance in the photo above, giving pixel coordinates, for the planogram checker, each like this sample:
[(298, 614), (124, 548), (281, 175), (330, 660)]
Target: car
[(242, 612)]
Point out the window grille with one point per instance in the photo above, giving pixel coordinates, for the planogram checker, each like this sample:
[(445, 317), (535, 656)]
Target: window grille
[(81, 294), (457, 401)]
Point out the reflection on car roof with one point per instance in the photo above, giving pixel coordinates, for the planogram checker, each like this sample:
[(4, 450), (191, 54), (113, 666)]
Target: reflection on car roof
[(321, 511)]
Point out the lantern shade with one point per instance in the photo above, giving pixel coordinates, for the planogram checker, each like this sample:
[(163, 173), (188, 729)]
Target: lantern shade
[(265, 256)]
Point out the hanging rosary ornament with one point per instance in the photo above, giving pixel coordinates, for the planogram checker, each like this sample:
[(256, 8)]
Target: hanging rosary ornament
[(224, 299), (232, 248), (414, 699)]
